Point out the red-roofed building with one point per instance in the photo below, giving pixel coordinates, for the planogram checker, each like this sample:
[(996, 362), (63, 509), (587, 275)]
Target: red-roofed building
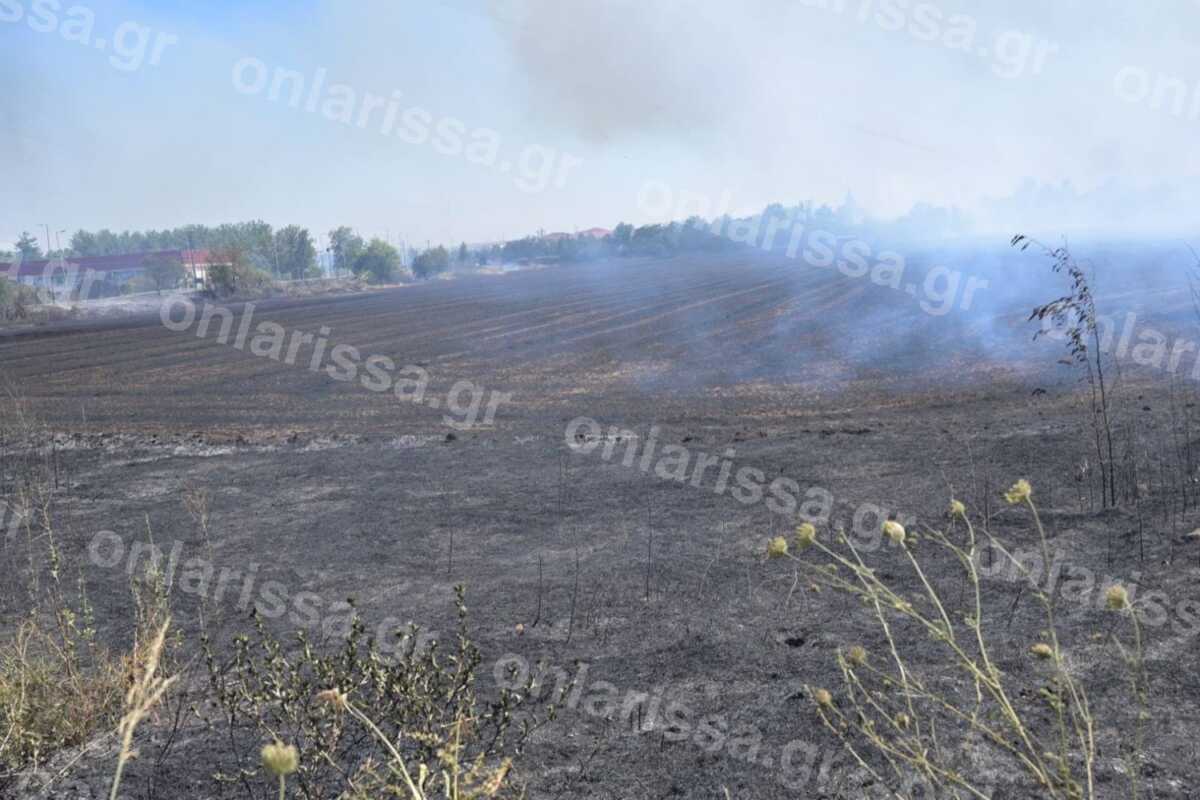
[(592, 233), (119, 270)]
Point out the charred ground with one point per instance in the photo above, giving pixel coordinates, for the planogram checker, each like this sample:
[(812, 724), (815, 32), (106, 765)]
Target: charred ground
[(833, 382)]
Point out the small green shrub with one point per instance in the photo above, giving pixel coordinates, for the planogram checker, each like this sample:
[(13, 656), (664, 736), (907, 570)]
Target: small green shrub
[(232, 273), (16, 300), (362, 720)]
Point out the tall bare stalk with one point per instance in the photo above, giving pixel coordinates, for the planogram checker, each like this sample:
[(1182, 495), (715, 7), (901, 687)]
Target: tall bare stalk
[(1075, 313)]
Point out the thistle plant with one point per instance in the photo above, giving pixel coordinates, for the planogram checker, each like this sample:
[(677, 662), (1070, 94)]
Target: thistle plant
[(450, 778), (777, 547), (1117, 600), (280, 760), (898, 724)]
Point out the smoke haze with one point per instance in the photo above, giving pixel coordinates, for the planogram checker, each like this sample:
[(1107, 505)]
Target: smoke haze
[(1071, 116)]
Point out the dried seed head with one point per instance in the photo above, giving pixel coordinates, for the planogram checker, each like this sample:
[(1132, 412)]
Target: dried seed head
[(806, 534), (280, 759), (777, 547), (1019, 493), (1042, 650), (957, 509), (857, 655), (334, 698), (902, 721), (823, 698), (894, 531), (1116, 598)]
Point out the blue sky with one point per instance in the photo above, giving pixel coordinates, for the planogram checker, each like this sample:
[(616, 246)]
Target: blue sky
[(581, 113)]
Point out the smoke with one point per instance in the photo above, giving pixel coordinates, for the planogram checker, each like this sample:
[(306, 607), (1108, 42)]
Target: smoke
[(784, 101), (615, 69), (1115, 209), (946, 103)]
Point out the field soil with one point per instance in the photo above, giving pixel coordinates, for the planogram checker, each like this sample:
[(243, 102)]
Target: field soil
[(631, 579)]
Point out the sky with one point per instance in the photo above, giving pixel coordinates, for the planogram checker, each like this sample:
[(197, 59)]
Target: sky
[(479, 120)]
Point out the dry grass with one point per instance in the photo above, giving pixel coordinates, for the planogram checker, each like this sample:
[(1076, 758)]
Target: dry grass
[(59, 689), (52, 697), (146, 689)]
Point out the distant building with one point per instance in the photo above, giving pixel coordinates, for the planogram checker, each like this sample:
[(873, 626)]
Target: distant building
[(590, 233), (74, 273)]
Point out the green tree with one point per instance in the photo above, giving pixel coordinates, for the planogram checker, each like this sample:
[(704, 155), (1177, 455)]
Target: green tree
[(231, 272), (164, 272), (431, 262), (379, 262), (256, 239), (622, 234), (28, 247), (84, 243), (464, 255), (294, 252), (346, 246), (653, 240)]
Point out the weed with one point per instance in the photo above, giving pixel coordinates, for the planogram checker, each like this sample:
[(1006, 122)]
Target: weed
[(896, 721), (424, 711)]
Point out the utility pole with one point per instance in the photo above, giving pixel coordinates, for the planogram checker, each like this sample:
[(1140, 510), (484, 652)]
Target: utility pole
[(61, 261), (192, 260), (48, 271)]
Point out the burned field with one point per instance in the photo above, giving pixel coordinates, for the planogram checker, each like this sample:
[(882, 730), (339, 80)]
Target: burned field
[(540, 441)]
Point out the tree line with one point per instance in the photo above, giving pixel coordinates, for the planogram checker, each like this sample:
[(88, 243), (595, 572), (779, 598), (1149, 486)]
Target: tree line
[(290, 251), (287, 252)]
